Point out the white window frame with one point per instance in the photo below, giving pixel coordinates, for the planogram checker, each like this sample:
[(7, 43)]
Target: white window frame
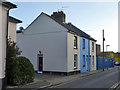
[(75, 61), (75, 42)]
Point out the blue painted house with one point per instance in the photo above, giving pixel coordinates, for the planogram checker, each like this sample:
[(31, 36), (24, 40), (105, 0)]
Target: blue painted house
[(84, 54), (84, 49)]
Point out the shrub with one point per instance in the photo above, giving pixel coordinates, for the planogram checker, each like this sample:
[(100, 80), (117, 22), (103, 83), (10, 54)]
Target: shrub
[(21, 72), (12, 71), (12, 50), (26, 69), (19, 69)]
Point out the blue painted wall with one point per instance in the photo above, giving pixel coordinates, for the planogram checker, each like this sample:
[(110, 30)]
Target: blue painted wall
[(108, 62), (86, 53)]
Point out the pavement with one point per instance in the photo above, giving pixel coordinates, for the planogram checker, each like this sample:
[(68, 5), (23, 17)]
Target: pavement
[(47, 80)]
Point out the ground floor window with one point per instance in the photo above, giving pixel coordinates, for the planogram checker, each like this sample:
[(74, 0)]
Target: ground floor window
[(75, 61), (90, 57), (83, 60), (87, 62), (93, 61)]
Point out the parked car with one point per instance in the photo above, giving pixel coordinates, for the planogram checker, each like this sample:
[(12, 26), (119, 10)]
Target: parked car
[(117, 64)]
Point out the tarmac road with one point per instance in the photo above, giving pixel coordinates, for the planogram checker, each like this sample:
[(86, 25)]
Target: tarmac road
[(105, 79)]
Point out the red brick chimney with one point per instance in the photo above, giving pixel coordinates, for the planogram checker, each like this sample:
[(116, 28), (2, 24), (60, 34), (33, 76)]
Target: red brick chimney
[(59, 16)]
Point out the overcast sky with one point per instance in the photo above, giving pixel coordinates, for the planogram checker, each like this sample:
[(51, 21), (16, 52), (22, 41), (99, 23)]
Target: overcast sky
[(91, 17)]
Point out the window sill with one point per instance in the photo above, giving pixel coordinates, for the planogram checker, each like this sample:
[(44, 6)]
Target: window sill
[(75, 68), (83, 66), (75, 47), (83, 48)]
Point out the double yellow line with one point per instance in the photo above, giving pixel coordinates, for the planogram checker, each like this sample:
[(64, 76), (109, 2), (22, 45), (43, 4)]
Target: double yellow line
[(114, 86)]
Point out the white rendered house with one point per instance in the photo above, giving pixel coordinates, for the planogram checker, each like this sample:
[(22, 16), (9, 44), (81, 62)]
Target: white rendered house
[(92, 56), (12, 26), (50, 45), (4, 10)]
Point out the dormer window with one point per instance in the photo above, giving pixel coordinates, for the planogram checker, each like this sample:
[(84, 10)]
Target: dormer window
[(75, 42)]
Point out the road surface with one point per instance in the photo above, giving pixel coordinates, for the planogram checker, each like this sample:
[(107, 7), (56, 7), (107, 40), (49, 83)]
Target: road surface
[(105, 79)]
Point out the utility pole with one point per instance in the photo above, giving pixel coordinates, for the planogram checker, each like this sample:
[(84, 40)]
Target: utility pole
[(103, 49)]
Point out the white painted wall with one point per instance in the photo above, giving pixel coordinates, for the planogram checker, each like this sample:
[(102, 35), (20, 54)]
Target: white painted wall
[(47, 36), (92, 54), (71, 51), (12, 31), (3, 26)]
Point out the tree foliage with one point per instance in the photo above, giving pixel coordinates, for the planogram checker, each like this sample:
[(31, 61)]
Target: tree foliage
[(19, 69)]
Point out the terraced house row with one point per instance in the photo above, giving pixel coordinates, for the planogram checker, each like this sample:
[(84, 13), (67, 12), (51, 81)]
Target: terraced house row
[(53, 45)]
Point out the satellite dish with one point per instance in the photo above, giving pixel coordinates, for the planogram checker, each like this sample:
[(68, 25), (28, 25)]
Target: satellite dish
[(21, 28)]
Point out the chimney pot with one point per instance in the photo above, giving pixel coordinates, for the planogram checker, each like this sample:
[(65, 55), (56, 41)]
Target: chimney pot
[(59, 16)]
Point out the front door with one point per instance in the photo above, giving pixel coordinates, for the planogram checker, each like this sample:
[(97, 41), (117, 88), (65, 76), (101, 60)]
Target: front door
[(40, 67)]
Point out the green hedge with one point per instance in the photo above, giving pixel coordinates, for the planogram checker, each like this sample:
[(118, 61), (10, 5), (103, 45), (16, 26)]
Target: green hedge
[(20, 71)]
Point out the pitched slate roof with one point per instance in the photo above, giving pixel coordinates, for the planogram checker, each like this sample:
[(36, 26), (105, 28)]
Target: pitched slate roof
[(85, 34), (82, 32), (73, 28), (11, 19)]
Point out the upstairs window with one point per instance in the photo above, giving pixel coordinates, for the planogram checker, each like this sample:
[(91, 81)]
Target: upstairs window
[(75, 42), (83, 44), (92, 46)]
